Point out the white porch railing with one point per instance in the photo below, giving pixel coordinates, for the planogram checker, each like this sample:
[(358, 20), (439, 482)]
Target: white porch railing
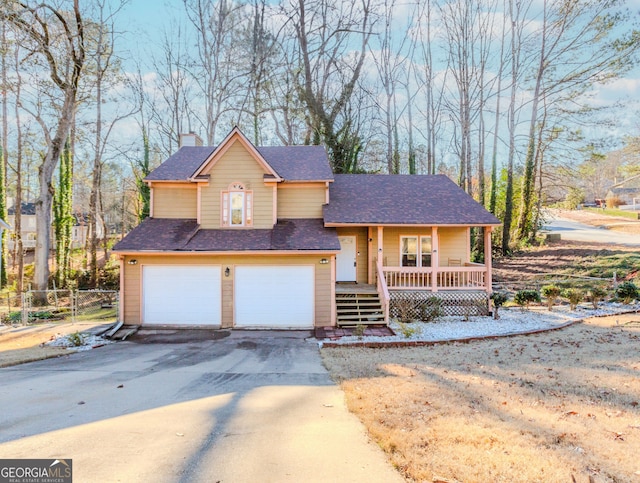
[(469, 277)]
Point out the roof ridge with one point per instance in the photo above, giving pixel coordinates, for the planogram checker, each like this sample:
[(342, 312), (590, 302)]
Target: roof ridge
[(190, 237)]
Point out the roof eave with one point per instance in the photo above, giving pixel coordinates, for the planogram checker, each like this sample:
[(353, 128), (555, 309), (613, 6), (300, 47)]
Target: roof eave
[(222, 253), (336, 224)]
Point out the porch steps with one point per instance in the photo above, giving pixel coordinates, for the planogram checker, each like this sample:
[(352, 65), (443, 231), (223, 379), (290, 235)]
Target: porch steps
[(358, 309)]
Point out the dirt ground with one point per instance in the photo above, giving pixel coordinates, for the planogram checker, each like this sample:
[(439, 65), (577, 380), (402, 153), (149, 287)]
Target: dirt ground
[(551, 407), (26, 343), (577, 258), (616, 223)]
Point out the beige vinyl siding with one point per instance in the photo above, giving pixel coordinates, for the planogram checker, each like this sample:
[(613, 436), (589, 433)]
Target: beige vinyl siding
[(301, 201), (361, 247), (175, 201), (323, 285), (237, 165), (453, 243)]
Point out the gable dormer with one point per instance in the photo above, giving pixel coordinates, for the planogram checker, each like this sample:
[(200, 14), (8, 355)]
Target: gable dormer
[(236, 187), (239, 186)]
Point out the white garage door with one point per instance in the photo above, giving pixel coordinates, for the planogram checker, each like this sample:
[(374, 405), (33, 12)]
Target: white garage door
[(274, 297), (181, 295)]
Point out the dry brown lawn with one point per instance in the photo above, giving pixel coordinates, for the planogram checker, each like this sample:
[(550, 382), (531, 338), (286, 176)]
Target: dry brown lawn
[(26, 343), (552, 407)]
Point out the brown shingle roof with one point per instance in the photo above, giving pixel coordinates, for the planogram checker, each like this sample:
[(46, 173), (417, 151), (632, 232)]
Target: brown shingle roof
[(292, 163), (402, 199), (181, 165), (161, 234), (158, 234), (298, 163)]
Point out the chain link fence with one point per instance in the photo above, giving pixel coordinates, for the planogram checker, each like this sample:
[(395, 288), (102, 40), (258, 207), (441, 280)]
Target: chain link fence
[(11, 308), (36, 306)]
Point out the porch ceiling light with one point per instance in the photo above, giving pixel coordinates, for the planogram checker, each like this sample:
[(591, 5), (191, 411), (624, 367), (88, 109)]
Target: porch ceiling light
[(324, 261), (133, 262)]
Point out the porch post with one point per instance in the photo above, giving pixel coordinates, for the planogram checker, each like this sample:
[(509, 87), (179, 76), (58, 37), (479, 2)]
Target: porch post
[(380, 254), (370, 263), (435, 258), (487, 259)]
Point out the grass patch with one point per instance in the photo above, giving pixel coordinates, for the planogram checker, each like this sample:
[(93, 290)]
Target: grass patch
[(633, 215)]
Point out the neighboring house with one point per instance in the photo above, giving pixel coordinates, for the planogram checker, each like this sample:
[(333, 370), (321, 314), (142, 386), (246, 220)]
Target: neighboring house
[(79, 232), (27, 225), (269, 237), (628, 196)]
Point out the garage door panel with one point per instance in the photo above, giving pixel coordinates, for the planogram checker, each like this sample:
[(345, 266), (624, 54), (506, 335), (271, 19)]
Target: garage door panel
[(275, 297), (181, 295)]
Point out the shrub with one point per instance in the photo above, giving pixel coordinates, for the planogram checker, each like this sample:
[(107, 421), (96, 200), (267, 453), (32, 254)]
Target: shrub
[(431, 309), (574, 296), (595, 295), (359, 330), (499, 299), (76, 339), (525, 297), (627, 292), (551, 293), (574, 197), (407, 330), (405, 309)]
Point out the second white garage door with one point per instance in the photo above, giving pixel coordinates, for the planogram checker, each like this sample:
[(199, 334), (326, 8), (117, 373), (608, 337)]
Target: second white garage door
[(176, 295), (274, 297)]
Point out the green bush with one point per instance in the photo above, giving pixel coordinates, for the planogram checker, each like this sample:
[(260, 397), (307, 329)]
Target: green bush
[(574, 296), (499, 299), (406, 329), (551, 293), (627, 292), (76, 339), (525, 297), (596, 295)]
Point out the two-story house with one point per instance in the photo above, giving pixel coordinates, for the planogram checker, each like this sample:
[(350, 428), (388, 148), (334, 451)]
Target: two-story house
[(269, 237)]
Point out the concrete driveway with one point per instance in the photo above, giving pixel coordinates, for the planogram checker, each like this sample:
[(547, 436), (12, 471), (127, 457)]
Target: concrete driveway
[(249, 406)]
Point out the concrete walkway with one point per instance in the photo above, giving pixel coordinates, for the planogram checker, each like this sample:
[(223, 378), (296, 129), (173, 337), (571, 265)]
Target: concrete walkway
[(250, 406)]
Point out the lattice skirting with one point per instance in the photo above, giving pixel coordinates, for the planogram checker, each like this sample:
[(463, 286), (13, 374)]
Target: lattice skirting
[(428, 305)]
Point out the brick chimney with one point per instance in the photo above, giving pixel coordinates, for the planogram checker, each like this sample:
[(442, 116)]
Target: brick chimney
[(190, 139)]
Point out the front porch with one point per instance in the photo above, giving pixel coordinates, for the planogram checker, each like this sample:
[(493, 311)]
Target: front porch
[(410, 265)]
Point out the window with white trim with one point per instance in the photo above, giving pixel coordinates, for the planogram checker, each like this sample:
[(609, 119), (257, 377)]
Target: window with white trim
[(415, 251), (237, 206)]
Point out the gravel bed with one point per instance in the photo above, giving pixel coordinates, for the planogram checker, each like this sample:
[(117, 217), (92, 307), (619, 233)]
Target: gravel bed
[(513, 320), (69, 341)]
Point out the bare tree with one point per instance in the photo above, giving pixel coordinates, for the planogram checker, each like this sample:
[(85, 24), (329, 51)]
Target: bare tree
[(517, 10), (103, 74), (584, 30), (332, 38), (57, 37), (218, 71)]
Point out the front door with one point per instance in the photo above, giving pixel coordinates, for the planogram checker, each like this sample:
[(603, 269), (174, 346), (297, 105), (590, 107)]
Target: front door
[(346, 260)]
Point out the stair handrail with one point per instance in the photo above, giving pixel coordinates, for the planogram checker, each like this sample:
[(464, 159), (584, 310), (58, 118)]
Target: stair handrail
[(383, 290)]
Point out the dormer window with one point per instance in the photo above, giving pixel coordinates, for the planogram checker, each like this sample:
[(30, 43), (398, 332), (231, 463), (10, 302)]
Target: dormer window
[(237, 206)]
